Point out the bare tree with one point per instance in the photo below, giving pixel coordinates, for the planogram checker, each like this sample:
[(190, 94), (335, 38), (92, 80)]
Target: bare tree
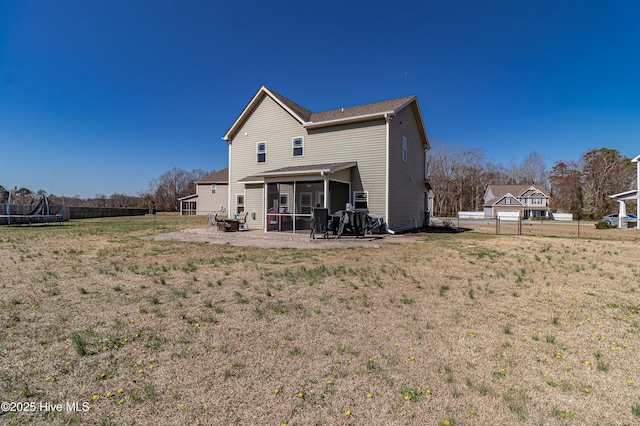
[(171, 185), (566, 187), (605, 172), (582, 187)]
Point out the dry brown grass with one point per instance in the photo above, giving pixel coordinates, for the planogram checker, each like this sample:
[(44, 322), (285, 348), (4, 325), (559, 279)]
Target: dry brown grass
[(472, 328)]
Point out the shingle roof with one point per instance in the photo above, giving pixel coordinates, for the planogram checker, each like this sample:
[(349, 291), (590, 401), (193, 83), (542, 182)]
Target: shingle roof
[(221, 176), (311, 168), (335, 116), (299, 110), (381, 107)]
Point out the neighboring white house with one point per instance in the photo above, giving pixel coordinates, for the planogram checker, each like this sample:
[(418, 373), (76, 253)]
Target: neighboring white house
[(527, 200), (212, 194), (284, 160)]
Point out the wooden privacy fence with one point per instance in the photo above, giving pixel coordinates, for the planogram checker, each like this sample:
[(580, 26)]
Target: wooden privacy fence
[(16, 214), (42, 212)]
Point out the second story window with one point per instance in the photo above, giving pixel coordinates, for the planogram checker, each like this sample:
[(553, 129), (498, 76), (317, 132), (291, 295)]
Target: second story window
[(213, 188), (507, 201), (261, 150), (298, 147), (404, 149)]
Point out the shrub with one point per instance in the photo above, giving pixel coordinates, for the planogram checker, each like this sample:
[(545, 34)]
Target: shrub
[(605, 225)]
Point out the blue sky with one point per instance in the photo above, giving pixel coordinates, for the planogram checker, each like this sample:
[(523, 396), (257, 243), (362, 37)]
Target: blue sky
[(103, 96)]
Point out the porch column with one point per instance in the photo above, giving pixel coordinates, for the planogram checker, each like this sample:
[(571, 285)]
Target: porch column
[(637, 161), (326, 192)]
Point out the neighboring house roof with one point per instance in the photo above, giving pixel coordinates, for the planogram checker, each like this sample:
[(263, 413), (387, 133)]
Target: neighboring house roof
[(501, 201), (219, 177), (188, 197), (308, 119), (495, 193)]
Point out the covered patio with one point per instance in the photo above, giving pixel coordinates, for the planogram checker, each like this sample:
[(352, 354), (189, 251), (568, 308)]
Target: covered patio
[(291, 194)]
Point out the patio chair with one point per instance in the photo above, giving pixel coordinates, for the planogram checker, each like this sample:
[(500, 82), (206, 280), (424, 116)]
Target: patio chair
[(242, 220), (215, 222), (319, 222)]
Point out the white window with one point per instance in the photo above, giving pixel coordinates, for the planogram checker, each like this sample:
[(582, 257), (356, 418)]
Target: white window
[(360, 199), (239, 203), (298, 146), (404, 149), (507, 201), (261, 150), (284, 201), (537, 201), (305, 203), (213, 188)]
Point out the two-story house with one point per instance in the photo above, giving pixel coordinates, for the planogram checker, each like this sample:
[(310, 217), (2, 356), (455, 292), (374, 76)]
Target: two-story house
[(529, 201), (285, 160), (212, 195)]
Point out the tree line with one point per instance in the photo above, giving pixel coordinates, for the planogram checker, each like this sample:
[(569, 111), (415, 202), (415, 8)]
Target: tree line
[(459, 177)]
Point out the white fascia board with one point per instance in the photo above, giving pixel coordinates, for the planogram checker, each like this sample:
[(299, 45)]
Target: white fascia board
[(188, 197), (283, 106), (252, 104), (624, 194), (253, 101), (337, 121), (636, 160), (418, 119)]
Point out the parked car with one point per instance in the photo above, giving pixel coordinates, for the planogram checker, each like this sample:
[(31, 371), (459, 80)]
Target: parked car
[(612, 219)]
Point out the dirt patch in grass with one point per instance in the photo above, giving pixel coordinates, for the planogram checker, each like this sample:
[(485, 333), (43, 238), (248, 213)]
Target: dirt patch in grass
[(469, 328)]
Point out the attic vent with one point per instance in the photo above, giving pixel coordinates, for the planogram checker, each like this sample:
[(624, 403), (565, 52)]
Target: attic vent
[(342, 109)]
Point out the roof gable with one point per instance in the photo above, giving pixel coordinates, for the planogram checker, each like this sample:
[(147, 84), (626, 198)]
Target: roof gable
[(519, 190), (298, 112), (332, 117), (501, 201)]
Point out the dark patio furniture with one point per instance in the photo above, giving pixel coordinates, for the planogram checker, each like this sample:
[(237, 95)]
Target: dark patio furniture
[(231, 225), (319, 223)]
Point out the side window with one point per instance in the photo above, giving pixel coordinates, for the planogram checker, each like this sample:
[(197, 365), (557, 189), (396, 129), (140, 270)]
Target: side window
[(261, 151), (298, 147), (361, 199), (213, 188), (239, 203)]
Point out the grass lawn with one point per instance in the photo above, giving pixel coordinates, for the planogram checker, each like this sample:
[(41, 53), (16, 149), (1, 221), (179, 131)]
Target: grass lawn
[(457, 329)]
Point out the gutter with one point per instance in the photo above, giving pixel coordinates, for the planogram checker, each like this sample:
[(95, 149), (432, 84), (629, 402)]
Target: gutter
[(312, 125)]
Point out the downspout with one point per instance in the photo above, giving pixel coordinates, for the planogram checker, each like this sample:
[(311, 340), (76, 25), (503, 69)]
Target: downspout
[(229, 178), (387, 119)]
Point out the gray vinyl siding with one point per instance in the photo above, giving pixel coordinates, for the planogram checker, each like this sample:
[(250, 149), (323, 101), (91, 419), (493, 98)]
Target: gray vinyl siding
[(361, 142), (253, 203), (406, 179), (208, 202), (268, 122), (342, 175)]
